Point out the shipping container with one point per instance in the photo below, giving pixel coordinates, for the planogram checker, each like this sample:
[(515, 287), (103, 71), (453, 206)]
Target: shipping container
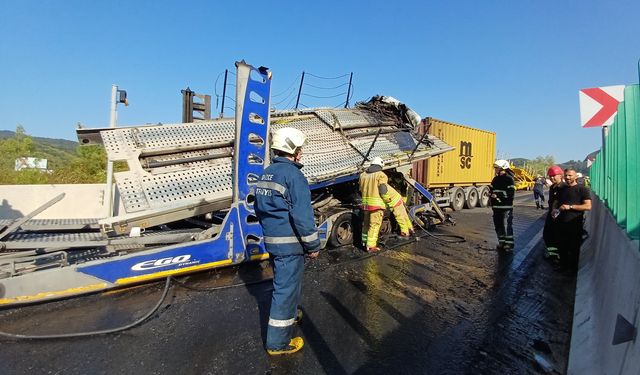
[(460, 177)]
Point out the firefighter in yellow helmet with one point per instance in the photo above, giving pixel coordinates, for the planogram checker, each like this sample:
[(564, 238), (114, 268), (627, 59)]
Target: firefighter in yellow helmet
[(377, 195)]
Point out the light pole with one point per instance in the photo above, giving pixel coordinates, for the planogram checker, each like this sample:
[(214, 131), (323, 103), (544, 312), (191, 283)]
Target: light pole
[(117, 96)]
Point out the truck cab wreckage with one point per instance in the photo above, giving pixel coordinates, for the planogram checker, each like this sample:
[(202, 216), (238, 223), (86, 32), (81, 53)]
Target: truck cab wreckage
[(189, 190)]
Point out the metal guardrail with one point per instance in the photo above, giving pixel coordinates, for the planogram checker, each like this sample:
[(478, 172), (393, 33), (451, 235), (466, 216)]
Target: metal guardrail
[(615, 174)]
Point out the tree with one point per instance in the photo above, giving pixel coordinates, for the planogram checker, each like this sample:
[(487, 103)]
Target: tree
[(89, 167), (577, 165), (540, 164), (21, 145)]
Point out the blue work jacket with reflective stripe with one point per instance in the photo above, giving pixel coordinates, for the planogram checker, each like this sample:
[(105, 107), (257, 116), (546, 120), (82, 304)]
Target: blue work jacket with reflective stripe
[(283, 207)]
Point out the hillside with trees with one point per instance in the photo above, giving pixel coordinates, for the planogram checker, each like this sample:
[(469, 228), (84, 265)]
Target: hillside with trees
[(540, 164), (68, 163)]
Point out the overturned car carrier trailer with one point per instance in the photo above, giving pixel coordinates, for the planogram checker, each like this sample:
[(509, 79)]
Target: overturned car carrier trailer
[(188, 194)]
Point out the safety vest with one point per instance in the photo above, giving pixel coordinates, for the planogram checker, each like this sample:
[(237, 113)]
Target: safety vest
[(369, 189)]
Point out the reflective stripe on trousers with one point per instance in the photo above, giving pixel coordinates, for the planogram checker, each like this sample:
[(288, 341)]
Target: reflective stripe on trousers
[(504, 233), (288, 271), (402, 218), (290, 239), (371, 227)]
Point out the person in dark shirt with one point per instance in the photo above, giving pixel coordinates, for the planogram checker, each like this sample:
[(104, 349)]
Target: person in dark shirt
[(550, 232), (502, 191), (573, 200)]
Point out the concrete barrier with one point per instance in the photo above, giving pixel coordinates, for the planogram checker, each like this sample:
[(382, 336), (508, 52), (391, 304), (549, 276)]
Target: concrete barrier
[(80, 202), (608, 284)]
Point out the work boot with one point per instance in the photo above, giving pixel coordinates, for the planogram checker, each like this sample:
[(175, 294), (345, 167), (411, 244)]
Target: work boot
[(507, 247), (500, 246), (295, 344), (372, 249)]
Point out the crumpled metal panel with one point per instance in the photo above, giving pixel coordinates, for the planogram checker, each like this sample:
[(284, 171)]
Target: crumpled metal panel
[(329, 154), (345, 118)]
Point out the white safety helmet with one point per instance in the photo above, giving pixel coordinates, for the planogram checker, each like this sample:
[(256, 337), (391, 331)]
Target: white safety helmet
[(377, 161), (288, 140), (502, 164), (578, 175)]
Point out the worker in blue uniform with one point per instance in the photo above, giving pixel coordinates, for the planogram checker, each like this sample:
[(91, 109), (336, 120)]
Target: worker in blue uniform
[(502, 191), (283, 207)]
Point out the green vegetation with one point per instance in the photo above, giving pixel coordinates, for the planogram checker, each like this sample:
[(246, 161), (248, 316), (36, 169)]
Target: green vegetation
[(579, 166), (537, 166), (540, 164), (68, 162)]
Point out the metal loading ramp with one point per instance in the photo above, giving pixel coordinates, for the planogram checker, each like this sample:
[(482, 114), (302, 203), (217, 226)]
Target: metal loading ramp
[(178, 171)]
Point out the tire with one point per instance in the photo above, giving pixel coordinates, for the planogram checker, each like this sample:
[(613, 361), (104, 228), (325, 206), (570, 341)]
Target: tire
[(386, 227), (342, 231), (472, 198), (457, 199), (483, 197)]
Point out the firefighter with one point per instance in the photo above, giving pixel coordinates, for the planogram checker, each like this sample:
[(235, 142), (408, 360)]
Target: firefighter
[(395, 202), (283, 207), (549, 233), (377, 195), (502, 191)]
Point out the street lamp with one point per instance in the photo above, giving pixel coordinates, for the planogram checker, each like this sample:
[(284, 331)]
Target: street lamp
[(117, 96)]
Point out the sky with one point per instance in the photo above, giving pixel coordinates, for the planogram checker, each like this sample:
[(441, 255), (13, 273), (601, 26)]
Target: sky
[(511, 67)]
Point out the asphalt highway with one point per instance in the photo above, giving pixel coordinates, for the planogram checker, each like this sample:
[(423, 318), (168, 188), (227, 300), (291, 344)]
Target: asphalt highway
[(428, 306)]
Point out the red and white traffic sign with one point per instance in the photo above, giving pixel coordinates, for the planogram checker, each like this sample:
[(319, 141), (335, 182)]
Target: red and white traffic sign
[(599, 105)]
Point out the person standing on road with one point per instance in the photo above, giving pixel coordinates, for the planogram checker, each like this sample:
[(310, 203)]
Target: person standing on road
[(502, 191), (550, 233), (538, 191), (377, 195), (283, 207), (573, 201)]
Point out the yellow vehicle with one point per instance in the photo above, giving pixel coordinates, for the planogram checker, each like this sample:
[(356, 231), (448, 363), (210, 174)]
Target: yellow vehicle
[(523, 177)]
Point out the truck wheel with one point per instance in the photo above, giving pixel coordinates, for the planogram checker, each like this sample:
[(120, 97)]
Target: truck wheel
[(457, 199), (472, 198), (483, 199), (342, 231), (386, 227)]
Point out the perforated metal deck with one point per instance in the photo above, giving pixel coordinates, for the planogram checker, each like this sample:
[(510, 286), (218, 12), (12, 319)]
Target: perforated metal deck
[(195, 159), (55, 224)]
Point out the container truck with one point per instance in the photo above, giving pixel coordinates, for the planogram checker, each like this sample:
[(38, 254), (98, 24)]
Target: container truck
[(460, 178)]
